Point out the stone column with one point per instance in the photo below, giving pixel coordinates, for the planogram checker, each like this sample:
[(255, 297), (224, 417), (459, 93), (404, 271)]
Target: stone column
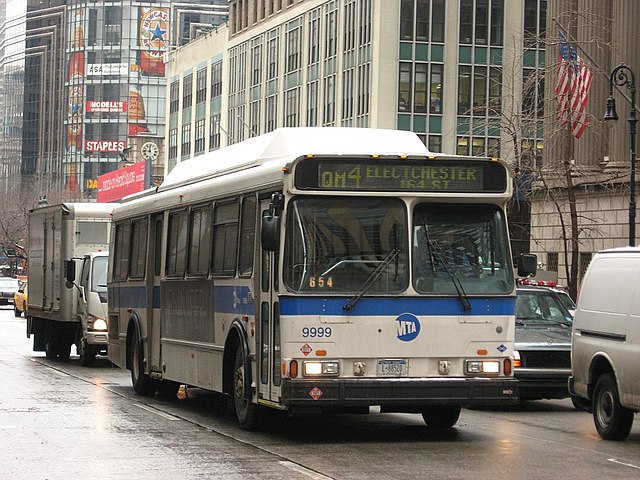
[(624, 48), (592, 40)]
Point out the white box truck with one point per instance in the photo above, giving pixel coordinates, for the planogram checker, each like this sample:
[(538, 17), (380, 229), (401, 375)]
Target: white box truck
[(67, 279)]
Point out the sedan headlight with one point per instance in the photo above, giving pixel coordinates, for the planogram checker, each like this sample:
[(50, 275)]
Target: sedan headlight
[(315, 369), (483, 366)]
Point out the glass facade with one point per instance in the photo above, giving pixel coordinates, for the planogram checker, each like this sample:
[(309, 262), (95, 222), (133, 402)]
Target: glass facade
[(421, 69)]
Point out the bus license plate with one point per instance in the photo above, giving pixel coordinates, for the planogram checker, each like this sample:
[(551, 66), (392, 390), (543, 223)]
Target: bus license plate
[(392, 368)]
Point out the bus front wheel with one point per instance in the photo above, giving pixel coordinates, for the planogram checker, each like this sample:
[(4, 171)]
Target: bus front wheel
[(246, 410), (441, 416)]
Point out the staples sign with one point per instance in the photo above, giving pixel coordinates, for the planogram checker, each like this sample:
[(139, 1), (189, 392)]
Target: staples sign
[(104, 146), (115, 185)]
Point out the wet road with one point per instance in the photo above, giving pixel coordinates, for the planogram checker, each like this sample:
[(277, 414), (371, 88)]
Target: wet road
[(61, 420)]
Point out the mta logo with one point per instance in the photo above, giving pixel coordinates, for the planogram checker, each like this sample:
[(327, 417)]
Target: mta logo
[(407, 326)]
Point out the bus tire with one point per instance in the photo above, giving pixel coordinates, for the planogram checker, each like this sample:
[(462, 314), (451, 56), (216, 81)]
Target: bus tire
[(86, 353), (612, 420), (246, 411), (441, 416), (142, 383)]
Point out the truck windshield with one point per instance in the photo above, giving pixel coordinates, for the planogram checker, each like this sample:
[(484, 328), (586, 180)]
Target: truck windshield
[(460, 248), (99, 277), (335, 244)]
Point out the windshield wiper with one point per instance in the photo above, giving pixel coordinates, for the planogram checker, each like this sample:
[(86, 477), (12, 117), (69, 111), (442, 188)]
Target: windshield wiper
[(372, 278), (462, 295)]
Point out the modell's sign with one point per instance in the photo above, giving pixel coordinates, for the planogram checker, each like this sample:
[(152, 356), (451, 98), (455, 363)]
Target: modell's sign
[(106, 107), (115, 185), (104, 146)]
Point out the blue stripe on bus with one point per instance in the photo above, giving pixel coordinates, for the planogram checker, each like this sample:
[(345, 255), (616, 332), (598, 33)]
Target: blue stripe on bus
[(377, 306), (226, 301)]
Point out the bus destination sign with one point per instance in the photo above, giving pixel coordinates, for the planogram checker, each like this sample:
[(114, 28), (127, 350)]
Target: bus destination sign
[(420, 175)]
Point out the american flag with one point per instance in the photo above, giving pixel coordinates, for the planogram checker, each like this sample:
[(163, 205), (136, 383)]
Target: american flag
[(572, 89)]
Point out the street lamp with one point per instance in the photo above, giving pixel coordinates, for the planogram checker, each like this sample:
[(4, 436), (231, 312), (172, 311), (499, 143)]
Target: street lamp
[(622, 76)]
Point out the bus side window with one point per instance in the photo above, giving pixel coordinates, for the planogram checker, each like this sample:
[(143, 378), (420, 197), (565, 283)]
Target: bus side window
[(225, 239), (138, 248), (121, 254), (177, 244), (247, 236)]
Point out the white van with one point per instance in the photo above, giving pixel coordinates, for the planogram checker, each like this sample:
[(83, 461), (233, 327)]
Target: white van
[(605, 356)]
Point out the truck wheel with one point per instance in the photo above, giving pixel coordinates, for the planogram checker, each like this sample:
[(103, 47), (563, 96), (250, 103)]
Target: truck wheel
[(87, 353), (246, 410), (441, 416), (50, 350), (613, 421), (142, 383)]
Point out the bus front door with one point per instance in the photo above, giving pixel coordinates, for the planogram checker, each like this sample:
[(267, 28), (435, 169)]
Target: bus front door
[(268, 356)]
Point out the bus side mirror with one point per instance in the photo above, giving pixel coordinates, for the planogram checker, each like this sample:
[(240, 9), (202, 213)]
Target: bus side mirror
[(69, 272), (270, 235), (527, 265)]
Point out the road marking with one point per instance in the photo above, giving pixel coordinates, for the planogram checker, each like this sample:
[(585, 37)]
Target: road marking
[(305, 471), (156, 411), (57, 372), (613, 460)]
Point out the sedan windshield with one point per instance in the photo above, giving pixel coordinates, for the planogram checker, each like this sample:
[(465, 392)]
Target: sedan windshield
[(339, 244)]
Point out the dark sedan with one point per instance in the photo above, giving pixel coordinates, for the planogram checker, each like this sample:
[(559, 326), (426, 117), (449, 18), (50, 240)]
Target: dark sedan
[(542, 343)]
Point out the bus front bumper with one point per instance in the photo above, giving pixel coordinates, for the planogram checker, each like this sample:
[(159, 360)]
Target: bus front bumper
[(399, 392)]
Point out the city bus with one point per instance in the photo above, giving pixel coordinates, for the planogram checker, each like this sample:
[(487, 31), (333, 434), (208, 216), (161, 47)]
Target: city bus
[(309, 270)]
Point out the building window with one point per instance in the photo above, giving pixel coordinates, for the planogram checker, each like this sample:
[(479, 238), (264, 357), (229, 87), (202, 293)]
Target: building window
[(329, 114), (256, 62), (314, 36), (272, 55), (585, 260), (291, 107), (254, 117), (187, 91), (199, 143), (185, 150), (482, 22), (405, 87), (173, 144), (214, 132), (216, 79), (271, 113), (312, 104), (174, 97), (112, 25), (406, 19), (331, 28), (293, 45), (435, 105), (201, 85)]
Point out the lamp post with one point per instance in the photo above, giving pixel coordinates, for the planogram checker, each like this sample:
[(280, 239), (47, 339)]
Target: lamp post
[(623, 76)]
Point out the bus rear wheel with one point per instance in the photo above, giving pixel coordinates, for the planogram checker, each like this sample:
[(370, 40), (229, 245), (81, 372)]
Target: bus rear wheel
[(142, 383), (246, 410), (441, 416)]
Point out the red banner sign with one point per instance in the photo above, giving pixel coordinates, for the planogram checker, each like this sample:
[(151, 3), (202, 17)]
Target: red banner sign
[(115, 185), (105, 106), (104, 146)]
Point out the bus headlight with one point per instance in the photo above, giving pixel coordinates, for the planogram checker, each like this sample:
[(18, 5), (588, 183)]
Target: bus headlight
[(99, 324), (483, 366), (314, 369)]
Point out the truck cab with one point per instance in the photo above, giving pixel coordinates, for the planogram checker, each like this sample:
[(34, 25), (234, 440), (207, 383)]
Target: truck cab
[(91, 308)]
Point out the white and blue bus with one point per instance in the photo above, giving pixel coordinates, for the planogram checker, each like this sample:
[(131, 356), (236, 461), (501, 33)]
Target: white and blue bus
[(320, 270)]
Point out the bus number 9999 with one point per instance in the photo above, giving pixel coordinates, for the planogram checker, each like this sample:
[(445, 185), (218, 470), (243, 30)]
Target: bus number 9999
[(316, 332)]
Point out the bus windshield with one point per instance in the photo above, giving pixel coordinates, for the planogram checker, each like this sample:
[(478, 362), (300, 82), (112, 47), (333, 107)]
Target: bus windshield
[(460, 246), (341, 244)]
